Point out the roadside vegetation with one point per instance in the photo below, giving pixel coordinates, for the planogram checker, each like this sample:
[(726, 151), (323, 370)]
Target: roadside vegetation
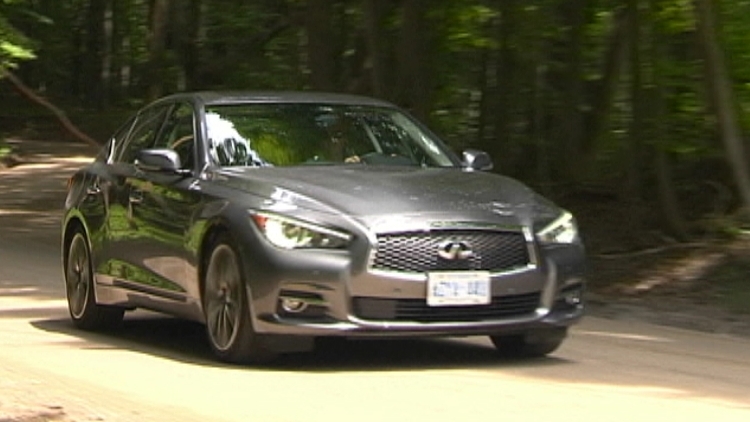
[(631, 113)]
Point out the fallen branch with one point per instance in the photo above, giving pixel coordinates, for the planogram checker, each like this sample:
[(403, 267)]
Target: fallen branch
[(61, 117)]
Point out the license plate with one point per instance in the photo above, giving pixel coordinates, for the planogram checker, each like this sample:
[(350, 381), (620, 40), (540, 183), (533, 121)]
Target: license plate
[(458, 288)]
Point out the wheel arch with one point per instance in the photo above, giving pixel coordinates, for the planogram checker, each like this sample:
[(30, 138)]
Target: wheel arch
[(73, 222)]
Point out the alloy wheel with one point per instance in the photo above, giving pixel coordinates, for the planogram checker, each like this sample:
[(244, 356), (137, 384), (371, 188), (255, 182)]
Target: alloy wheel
[(223, 299), (78, 276)]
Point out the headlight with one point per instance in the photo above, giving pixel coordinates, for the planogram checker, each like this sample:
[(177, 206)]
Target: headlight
[(562, 230), (287, 233)]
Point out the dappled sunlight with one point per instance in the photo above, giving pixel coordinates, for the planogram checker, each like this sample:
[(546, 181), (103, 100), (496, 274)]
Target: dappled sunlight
[(77, 160), (12, 291), (692, 268), (31, 307), (624, 336), (29, 222), (16, 212), (32, 194), (680, 270)]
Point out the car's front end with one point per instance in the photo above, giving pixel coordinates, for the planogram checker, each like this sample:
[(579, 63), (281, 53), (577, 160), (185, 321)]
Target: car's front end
[(480, 267)]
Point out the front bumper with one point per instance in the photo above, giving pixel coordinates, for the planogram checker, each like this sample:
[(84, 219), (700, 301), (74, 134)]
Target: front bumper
[(356, 327), (331, 289)]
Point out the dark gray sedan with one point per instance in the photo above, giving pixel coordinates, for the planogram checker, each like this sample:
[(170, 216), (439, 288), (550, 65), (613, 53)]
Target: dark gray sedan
[(276, 218)]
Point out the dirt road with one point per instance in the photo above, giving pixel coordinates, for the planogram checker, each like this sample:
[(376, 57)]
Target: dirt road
[(160, 369)]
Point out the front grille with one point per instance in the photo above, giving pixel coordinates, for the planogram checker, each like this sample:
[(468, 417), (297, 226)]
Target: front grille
[(417, 310), (418, 251)]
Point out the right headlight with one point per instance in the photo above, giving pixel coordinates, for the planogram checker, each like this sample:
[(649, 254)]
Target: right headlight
[(562, 230), (287, 233)]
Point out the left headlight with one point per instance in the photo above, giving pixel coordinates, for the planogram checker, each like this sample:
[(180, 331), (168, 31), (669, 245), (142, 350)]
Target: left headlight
[(287, 233), (562, 230)]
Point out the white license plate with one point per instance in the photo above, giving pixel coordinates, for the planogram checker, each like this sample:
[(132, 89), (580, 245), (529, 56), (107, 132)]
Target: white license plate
[(452, 288)]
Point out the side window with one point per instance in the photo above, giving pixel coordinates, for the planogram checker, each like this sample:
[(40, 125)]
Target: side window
[(178, 134), (143, 134), (114, 146)]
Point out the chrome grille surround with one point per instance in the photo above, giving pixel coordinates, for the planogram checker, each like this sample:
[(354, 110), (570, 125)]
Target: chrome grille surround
[(497, 249)]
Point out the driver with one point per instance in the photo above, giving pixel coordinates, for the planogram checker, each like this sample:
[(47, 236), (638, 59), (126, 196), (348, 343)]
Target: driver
[(340, 145)]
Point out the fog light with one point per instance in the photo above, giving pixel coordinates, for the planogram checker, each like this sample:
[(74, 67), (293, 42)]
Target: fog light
[(572, 297), (293, 305)]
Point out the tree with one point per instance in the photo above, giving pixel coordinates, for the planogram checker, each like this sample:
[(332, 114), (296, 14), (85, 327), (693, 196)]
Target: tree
[(413, 59), (322, 55), (722, 95), (157, 47)]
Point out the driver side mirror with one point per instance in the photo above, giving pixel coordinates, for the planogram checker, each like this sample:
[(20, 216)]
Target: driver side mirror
[(477, 160), (158, 159)]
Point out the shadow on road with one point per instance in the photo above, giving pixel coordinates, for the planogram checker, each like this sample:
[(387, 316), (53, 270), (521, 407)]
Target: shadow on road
[(186, 342), (33, 196)]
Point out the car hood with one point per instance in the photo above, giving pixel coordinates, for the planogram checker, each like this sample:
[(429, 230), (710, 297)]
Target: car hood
[(370, 193)]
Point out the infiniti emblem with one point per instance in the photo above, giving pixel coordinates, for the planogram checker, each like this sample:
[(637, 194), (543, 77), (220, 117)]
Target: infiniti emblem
[(453, 250)]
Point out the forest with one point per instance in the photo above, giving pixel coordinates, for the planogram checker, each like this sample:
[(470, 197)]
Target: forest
[(630, 112)]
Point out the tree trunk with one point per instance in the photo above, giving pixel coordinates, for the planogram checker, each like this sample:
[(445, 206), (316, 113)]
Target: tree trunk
[(504, 83), (635, 136), (543, 163), (669, 205), (414, 84), (191, 50), (604, 89), (92, 64), (157, 48), (720, 88), (321, 45), (107, 53), (485, 104), (374, 11), (674, 222), (569, 118), (116, 88)]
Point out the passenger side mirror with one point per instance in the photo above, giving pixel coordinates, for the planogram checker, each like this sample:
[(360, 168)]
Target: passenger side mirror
[(159, 159), (477, 160)]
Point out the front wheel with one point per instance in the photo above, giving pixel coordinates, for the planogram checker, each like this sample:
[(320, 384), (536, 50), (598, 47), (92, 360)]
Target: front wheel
[(225, 304), (79, 289), (531, 344)]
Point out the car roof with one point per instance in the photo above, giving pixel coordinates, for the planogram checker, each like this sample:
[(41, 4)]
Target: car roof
[(259, 97)]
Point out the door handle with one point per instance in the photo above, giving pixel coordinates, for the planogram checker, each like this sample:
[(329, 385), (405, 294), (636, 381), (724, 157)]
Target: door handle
[(136, 197)]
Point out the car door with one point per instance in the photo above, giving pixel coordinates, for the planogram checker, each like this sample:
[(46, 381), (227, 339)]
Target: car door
[(99, 206), (162, 206), (124, 254)]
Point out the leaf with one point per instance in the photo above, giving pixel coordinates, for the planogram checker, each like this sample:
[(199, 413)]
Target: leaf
[(15, 51)]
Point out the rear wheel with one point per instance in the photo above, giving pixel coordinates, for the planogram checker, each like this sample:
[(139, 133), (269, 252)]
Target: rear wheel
[(532, 344), (225, 304), (79, 288)]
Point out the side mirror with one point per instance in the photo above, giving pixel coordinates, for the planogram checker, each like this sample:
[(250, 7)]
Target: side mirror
[(477, 160), (158, 159)]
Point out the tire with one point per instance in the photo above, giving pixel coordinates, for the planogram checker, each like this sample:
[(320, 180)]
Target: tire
[(533, 344), (225, 305), (79, 289)]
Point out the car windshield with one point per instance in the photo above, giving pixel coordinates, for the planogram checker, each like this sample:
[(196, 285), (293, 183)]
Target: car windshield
[(314, 134)]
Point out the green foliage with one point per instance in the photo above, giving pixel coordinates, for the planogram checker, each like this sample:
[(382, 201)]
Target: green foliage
[(5, 149), (14, 46), (735, 16), (512, 77), (465, 24)]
